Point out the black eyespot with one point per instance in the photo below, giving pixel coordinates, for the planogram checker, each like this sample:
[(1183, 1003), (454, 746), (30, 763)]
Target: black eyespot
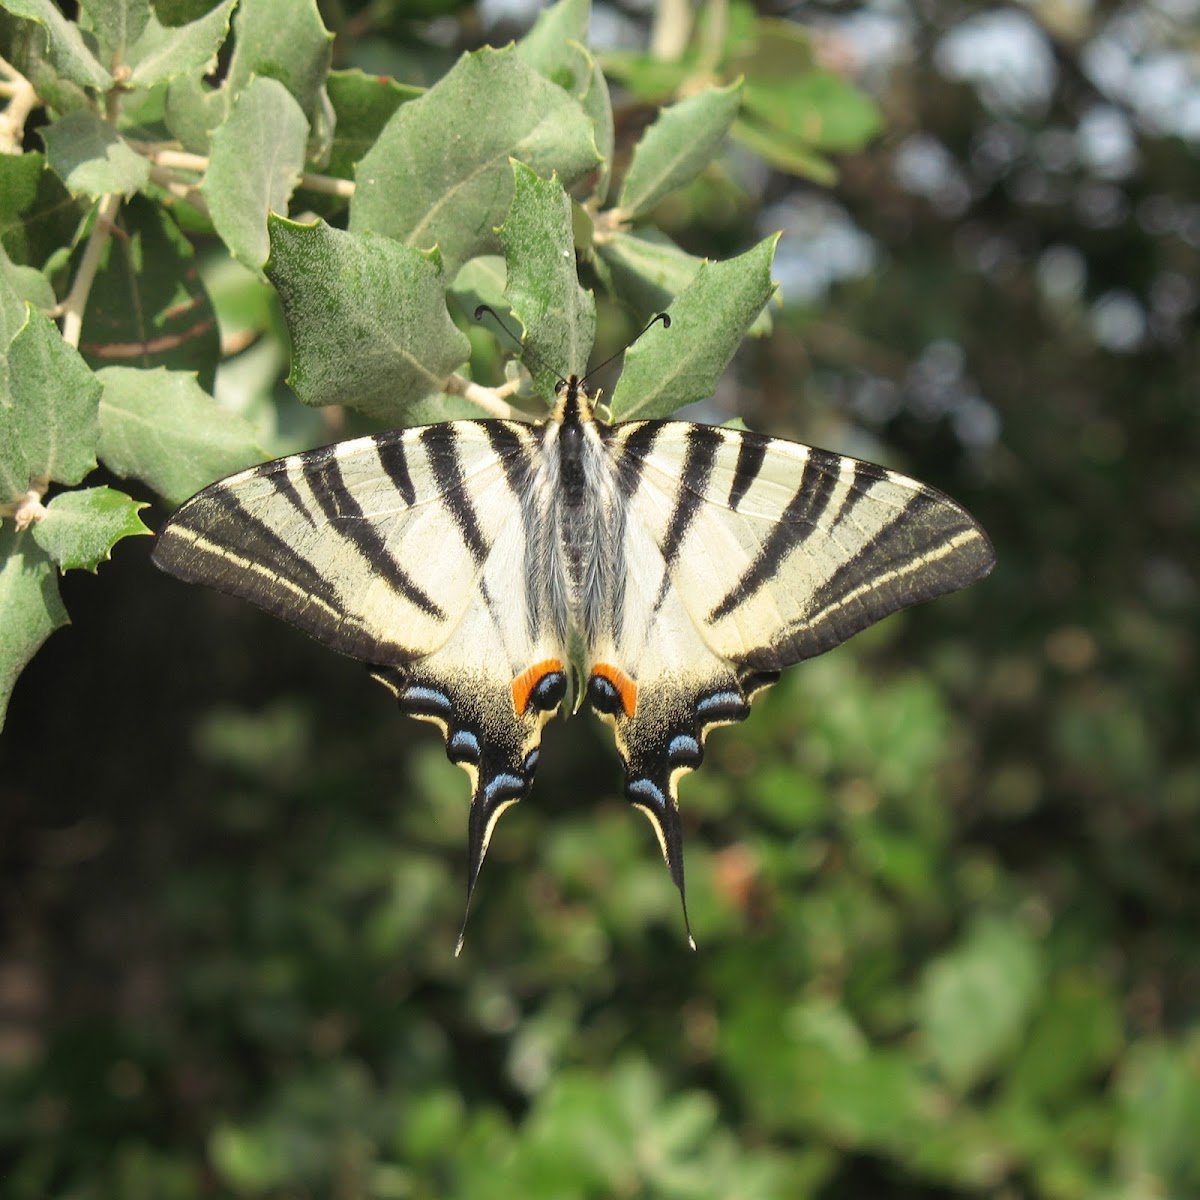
[(549, 691), (604, 697)]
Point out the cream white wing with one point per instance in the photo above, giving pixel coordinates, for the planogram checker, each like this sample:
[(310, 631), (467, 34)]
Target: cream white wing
[(373, 546), (780, 551), (408, 551), (742, 555)]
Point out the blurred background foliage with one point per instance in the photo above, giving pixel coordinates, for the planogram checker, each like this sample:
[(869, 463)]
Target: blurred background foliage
[(946, 880)]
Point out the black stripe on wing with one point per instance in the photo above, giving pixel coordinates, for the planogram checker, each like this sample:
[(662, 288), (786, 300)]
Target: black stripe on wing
[(347, 517), (213, 537), (751, 452), (440, 443), (803, 514), (703, 441), (931, 548), (632, 443), (393, 457)]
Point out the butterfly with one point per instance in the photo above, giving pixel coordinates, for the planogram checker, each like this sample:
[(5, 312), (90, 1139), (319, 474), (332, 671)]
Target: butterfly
[(493, 573)]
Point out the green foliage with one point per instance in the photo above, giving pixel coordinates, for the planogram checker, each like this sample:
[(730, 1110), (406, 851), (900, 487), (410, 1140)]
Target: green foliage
[(668, 369), (943, 879), (558, 316), (367, 315), (367, 308)]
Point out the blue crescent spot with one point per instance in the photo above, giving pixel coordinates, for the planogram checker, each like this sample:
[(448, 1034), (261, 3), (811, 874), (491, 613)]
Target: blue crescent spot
[(531, 761), (427, 695), (513, 785), (683, 744), (464, 739), (645, 789)]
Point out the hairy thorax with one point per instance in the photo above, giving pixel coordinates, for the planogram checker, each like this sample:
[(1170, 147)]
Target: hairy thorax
[(580, 531)]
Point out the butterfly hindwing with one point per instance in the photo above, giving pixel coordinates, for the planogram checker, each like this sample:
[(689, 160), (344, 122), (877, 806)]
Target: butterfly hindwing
[(662, 689), (490, 711)]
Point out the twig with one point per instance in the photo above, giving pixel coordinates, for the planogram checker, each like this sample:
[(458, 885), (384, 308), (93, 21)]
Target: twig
[(181, 160), (22, 100), (190, 193), (671, 31), (331, 185), (28, 508), (490, 400), (71, 309)]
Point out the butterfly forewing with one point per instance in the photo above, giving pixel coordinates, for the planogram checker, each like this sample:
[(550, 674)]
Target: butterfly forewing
[(780, 551), (372, 546)]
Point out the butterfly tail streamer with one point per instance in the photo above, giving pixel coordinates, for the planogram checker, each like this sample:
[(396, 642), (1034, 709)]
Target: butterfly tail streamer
[(660, 808)]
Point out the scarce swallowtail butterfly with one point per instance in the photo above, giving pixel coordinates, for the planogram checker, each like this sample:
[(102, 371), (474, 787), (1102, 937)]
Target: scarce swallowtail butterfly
[(493, 573)]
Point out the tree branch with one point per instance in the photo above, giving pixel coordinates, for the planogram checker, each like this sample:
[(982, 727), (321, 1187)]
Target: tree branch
[(490, 400), (72, 308), (22, 100), (180, 160)]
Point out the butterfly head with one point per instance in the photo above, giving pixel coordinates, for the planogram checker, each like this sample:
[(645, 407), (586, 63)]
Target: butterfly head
[(573, 401)]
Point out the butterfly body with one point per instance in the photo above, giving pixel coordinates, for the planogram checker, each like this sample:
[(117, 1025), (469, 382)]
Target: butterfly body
[(493, 573)]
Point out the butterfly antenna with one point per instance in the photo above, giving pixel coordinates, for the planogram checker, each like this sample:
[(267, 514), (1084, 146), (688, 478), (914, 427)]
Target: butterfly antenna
[(526, 352), (487, 308), (654, 320)]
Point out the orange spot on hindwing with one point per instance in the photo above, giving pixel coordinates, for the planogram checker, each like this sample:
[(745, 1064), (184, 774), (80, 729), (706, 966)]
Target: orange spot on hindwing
[(543, 686), (611, 691)]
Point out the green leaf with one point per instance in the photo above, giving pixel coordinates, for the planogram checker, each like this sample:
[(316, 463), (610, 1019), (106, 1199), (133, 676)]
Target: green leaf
[(1159, 1090), (558, 316), (30, 603), (194, 111), (367, 316), (483, 281), (555, 48), (148, 307), (161, 427), (118, 24), (257, 156), (165, 52), (65, 46), (49, 429), (543, 46), (647, 269), (784, 152), (81, 527), (677, 147), (668, 368), (362, 104), (815, 108), (92, 158), (37, 214), (597, 103), (439, 173), (12, 307), (284, 40), (1075, 1037), (976, 1000), (23, 283)]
